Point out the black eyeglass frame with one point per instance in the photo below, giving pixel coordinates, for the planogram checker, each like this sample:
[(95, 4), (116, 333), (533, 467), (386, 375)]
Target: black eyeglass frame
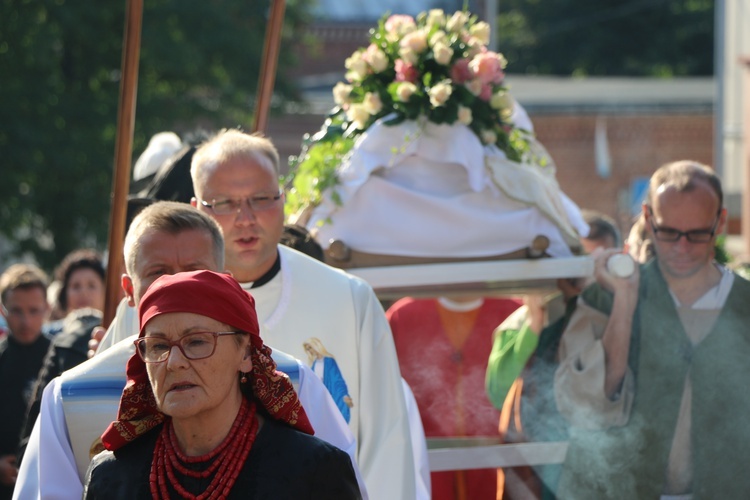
[(673, 235), (251, 200), (178, 343)]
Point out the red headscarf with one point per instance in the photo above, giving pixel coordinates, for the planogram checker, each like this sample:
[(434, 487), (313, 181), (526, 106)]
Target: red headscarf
[(220, 297)]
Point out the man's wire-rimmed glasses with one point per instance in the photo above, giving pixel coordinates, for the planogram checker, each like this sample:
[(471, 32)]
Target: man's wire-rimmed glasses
[(226, 206)]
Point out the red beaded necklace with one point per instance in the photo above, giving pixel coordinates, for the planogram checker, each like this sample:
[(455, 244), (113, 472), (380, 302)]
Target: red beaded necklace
[(224, 462)]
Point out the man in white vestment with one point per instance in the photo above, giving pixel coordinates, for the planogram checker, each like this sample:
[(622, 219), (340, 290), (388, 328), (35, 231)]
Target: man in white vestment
[(76, 407), (236, 181)]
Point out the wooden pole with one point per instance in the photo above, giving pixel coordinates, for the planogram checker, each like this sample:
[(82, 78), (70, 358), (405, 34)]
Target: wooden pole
[(268, 65), (123, 152), (745, 148)]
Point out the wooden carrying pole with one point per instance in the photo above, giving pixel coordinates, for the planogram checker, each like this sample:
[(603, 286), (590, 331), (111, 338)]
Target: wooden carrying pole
[(123, 153), (268, 65)]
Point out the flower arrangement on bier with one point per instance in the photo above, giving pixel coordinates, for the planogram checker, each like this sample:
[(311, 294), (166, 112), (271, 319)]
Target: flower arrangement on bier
[(435, 67)]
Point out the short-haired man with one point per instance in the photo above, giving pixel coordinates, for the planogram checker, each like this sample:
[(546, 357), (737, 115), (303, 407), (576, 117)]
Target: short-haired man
[(236, 181), (165, 238), (655, 371), (23, 291)]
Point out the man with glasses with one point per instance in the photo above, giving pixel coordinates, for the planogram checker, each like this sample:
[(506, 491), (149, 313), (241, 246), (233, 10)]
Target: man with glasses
[(655, 372), (236, 181)]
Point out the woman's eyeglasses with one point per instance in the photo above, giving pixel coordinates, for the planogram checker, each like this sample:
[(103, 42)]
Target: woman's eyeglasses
[(197, 345)]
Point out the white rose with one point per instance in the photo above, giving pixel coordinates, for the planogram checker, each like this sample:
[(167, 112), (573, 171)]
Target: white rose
[(501, 100), (416, 41), (474, 86), (481, 31), (372, 103), (473, 47), (436, 17), (358, 115), (405, 90), (408, 55), (503, 60), (440, 93), (378, 60), (443, 54), (439, 37), (457, 22), (489, 136), (464, 115), (357, 66), (341, 93)]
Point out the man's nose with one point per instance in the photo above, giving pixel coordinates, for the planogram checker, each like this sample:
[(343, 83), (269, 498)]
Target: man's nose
[(245, 214), (682, 243)]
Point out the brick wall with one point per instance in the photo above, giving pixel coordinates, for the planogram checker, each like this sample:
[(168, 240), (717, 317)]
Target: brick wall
[(638, 144)]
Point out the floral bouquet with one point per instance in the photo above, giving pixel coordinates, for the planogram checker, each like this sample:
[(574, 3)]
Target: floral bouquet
[(435, 67)]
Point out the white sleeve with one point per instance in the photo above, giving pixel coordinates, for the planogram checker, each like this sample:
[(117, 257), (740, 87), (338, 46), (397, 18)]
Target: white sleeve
[(326, 418), (385, 452), (48, 470), (418, 444), (123, 325)]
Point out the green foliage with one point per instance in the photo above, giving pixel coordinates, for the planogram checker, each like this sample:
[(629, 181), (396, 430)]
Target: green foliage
[(314, 170), (721, 254), (60, 66), (659, 38)]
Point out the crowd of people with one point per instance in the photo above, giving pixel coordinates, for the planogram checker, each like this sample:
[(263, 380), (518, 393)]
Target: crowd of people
[(240, 367)]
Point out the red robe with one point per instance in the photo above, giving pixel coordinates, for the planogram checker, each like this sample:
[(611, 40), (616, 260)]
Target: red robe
[(443, 357)]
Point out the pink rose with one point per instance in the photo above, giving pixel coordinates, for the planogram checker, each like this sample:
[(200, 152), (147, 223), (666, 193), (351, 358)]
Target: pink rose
[(460, 72), (475, 86), (487, 67), (486, 93), (406, 72)]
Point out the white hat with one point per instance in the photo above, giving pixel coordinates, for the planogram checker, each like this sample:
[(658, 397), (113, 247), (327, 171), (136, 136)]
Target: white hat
[(160, 148)]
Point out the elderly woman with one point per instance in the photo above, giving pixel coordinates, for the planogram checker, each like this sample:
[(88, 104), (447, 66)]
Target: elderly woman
[(205, 414)]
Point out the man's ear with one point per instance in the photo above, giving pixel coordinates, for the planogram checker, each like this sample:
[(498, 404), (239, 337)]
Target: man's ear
[(127, 285), (722, 221)]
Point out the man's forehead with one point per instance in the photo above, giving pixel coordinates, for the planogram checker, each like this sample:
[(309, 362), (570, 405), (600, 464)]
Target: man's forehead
[(170, 251), (699, 193), (25, 294), (250, 162)]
